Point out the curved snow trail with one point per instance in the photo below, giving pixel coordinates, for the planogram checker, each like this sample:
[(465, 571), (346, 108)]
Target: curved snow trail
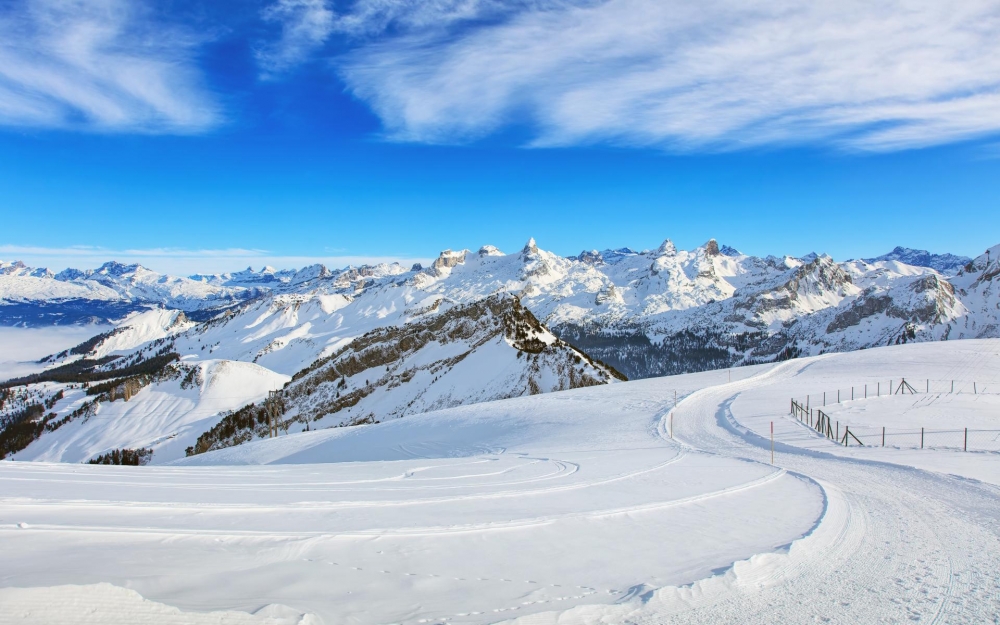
[(895, 544)]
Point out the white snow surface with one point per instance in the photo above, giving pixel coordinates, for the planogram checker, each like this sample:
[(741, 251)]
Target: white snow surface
[(570, 507), (164, 417), (140, 328)]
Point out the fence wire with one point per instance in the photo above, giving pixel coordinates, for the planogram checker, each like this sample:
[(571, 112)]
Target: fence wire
[(899, 386), (963, 439)]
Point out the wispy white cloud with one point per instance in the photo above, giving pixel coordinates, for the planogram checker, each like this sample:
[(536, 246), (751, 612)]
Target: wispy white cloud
[(101, 65), (305, 26), (176, 261), (717, 74)]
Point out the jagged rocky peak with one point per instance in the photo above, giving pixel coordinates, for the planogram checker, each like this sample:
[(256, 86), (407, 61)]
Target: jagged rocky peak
[(8, 269), (822, 273), (728, 250), (447, 260), (986, 264), (530, 247), (495, 346), (490, 250), (312, 272), (922, 258), (70, 274), (593, 257), (712, 248), (114, 268), (613, 256), (667, 248), (417, 267), (18, 268)]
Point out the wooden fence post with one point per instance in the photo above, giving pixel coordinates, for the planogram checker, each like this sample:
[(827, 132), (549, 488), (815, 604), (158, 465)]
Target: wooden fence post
[(965, 444), (883, 436), (921, 438)]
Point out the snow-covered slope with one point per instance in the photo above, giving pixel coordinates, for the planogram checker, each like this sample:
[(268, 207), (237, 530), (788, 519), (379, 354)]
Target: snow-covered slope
[(166, 416), (488, 350), (460, 354), (600, 505)]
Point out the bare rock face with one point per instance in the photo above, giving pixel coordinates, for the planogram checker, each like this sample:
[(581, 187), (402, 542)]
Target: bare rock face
[(867, 305), (447, 260), (593, 257), (608, 295)]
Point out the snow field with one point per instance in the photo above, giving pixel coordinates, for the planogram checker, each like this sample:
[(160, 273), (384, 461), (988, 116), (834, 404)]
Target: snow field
[(163, 416), (571, 507), (98, 604), (963, 361), (894, 544), (467, 515)]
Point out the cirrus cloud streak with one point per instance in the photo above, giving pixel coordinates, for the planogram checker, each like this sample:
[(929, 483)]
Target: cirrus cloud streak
[(103, 65), (720, 74)]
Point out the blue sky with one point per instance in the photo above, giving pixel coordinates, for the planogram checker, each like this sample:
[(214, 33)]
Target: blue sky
[(194, 136)]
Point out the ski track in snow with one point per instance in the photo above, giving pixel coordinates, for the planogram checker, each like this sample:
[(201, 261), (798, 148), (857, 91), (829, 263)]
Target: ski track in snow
[(579, 509)]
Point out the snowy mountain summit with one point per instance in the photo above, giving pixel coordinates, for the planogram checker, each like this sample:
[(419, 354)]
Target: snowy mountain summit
[(365, 344)]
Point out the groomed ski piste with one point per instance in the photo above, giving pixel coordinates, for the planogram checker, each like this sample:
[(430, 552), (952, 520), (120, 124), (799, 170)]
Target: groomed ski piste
[(599, 505)]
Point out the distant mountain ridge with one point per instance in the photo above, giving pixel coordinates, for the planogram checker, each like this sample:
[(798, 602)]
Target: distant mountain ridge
[(945, 263), (112, 290), (638, 310), (30, 296), (370, 343)]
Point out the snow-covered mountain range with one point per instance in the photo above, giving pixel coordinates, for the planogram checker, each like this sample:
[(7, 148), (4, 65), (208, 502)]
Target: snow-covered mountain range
[(372, 343), (36, 297)]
